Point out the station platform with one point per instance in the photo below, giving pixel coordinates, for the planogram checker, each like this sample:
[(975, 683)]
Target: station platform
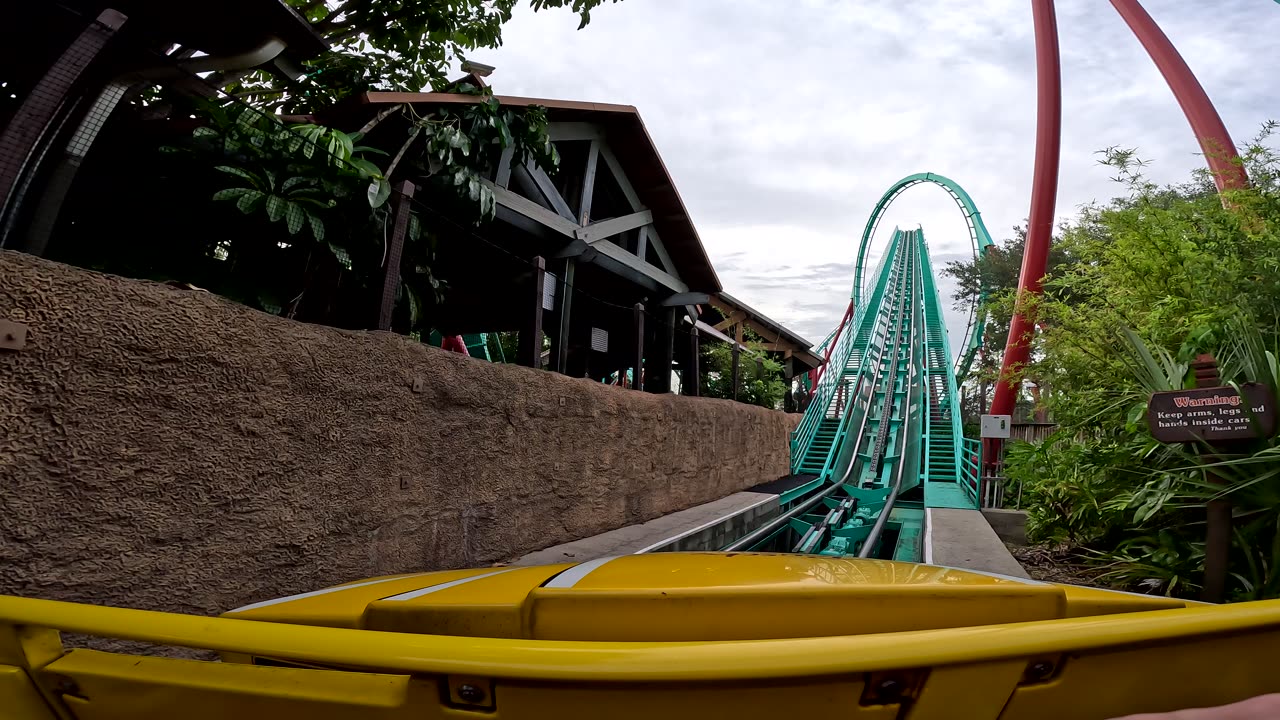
[(964, 539), (709, 526)]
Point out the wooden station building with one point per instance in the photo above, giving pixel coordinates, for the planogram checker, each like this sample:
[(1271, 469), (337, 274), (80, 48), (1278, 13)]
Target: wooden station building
[(626, 276)]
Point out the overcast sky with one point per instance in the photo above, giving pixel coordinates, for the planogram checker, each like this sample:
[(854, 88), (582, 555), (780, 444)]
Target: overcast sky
[(783, 121)]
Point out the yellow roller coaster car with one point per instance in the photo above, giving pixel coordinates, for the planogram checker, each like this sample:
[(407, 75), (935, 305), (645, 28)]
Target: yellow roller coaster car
[(670, 635)]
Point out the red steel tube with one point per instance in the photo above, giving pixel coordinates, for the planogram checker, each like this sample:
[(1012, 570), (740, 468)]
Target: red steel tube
[(1215, 142), (816, 374), (1044, 196)]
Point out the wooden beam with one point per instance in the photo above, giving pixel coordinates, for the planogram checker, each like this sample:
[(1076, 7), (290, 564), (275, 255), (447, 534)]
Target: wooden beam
[(401, 206), (763, 331), (564, 302), (660, 378), (737, 361), (574, 131), (549, 191), (736, 374), (605, 229), (661, 250), (720, 305), (788, 377), (642, 241), (532, 210), (616, 168), (692, 377), (733, 318), (529, 353), (589, 183), (576, 249), (502, 177), (689, 298), (533, 227), (637, 318), (613, 252)]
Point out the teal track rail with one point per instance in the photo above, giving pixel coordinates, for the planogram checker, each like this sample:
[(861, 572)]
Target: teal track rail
[(883, 432), (979, 240)]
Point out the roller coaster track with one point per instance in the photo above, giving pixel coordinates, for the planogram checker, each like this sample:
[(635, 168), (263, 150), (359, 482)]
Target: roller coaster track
[(882, 433)]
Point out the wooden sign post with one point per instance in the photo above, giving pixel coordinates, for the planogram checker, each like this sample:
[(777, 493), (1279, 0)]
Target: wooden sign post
[(1220, 416)]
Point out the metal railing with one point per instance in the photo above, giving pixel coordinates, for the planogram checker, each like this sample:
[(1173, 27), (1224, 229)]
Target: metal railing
[(971, 467), (824, 394), (950, 402)]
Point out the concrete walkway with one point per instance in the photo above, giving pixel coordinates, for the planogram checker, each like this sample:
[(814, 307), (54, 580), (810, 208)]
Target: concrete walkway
[(704, 527), (953, 537), (964, 539)]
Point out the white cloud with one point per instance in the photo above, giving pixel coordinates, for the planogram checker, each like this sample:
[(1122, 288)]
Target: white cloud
[(783, 122)]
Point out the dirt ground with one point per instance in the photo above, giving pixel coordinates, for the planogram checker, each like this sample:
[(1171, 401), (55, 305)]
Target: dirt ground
[(1056, 565)]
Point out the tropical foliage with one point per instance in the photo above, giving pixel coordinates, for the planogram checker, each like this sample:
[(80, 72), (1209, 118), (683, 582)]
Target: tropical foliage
[(410, 46), (313, 200), (1151, 280), (994, 281), (760, 376)]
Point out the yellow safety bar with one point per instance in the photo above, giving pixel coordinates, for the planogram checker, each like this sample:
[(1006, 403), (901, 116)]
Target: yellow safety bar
[(638, 661), (1100, 666)]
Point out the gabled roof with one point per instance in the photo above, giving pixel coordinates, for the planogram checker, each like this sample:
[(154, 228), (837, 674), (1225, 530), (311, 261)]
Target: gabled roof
[(728, 306), (635, 150)]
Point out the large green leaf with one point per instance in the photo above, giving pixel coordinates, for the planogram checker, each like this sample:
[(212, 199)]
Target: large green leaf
[(293, 182), (379, 191), (345, 144), (250, 201), (241, 173), (1154, 376), (294, 215), (232, 193), (366, 168), (317, 227), (341, 255), (275, 207)]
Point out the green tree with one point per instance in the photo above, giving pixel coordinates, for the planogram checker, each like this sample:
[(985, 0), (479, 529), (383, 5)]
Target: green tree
[(409, 46), (993, 279), (291, 177), (1158, 276), (760, 376)]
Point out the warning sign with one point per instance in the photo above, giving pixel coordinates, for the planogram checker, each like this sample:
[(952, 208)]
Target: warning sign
[(1212, 414)]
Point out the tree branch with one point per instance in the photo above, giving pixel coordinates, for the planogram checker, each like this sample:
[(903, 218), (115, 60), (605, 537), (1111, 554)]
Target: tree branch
[(382, 114)]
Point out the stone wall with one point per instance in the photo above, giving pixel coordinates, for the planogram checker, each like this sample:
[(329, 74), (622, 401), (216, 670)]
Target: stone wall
[(167, 449)]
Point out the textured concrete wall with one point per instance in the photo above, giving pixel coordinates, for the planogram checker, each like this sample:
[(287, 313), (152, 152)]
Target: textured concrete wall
[(168, 449)]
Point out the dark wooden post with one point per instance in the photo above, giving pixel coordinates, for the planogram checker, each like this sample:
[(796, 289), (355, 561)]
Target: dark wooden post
[(530, 352), (735, 375), (1217, 546), (20, 138), (737, 360), (637, 314), (660, 379), (788, 377), (402, 205), (564, 302), (692, 376)]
